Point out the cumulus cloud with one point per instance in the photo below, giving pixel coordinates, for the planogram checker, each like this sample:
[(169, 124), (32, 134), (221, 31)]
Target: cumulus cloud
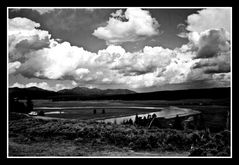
[(209, 36), (222, 76), (209, 18), (148, 60), (212, 42), (34, 54), (13, 66), (24, 37), (57, 61), (135, 24), (219, 64)]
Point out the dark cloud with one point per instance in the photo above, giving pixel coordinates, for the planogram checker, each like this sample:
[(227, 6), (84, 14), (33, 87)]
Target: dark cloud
[(212, 42), (219, 64), (129, 71), (26, 46)]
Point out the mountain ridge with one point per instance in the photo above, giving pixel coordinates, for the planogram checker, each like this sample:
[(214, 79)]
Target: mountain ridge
[(83, 93)]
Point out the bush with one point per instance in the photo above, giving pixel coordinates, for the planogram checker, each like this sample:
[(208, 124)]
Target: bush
[(137, 138), (197, 152)]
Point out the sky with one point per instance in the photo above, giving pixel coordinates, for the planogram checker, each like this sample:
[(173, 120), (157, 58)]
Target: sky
[(140, 49)]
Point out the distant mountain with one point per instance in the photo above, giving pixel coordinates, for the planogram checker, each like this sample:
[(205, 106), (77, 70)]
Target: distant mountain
[(79, 92), (31, 92), (83, 91), (207, 93)]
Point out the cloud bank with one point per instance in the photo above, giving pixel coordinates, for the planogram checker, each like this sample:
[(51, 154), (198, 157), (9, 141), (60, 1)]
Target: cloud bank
[(33, 53)]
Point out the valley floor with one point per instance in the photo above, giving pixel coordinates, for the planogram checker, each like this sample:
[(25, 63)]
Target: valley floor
[(30, 136)]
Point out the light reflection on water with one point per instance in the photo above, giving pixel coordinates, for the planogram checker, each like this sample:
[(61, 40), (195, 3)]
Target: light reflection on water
[(167, 113)]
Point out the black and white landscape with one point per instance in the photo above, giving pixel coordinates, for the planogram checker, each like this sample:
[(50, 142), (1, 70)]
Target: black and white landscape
[(119, 82)]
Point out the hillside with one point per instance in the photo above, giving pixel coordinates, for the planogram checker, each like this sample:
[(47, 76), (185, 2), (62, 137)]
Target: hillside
[(31, 92), (83, 93), (209, 93)]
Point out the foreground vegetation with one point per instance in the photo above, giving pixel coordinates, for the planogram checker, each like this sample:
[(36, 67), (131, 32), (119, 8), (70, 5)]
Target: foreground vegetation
[(30, 136)]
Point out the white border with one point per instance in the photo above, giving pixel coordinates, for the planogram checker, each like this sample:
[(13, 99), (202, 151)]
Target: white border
[(125, 157)]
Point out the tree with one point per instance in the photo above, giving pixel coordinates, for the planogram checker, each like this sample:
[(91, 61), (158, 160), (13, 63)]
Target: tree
[(16, 106), (41, 113), (103, 111), (94, 111), (154, 115), (177, 123), (130, 121), (29, 107), (136, 119)]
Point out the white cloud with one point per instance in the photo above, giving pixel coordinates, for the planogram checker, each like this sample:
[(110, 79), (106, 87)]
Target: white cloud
[(42, 85), (213, 42), (20, 24), (39, 56), (58, 87), (23, 37), (148, 60), (209, 36), (209, 18), (135, 24), (13, 66), (74, 83), (57, 61), (17, 85)]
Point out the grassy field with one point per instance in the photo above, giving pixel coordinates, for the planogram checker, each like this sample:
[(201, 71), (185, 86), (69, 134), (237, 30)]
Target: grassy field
[(79, 135), (214, 112), (29, 136), (110, 103)]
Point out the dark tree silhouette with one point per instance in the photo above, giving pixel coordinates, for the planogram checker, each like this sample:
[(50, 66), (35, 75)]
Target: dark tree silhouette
[(94, 111), (11, 104), (16, 106), (41, 113), (136, 119), (29, 107), (154, 115), (178, 123), (130, 121), (103, 111)]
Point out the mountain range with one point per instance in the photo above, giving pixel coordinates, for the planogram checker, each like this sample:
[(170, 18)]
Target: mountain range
[(38, 93), (83, 93)]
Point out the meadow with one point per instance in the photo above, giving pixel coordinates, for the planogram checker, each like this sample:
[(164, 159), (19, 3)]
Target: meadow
[(214, 111), (29, 136), (80, 135)]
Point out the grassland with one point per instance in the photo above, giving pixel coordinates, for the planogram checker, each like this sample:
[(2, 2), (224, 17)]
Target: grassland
[(214, 112), (80, 135), (29, 136)]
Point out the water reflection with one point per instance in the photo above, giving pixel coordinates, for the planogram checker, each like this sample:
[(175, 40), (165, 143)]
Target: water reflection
[(166, 113)]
